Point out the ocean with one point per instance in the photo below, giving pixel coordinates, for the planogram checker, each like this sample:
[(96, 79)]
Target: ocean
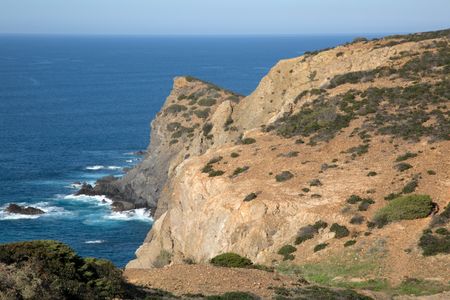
[(74, 109)]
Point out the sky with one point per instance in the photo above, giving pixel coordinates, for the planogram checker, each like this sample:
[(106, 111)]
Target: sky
[(225, 17)]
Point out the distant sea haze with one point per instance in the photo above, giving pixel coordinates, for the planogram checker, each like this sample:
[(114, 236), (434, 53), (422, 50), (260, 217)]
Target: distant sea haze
[(74, 109)]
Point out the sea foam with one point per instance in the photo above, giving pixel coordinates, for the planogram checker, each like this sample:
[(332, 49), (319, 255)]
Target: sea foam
[(140, 214)]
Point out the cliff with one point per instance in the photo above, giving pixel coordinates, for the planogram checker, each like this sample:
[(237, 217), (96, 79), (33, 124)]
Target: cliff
[(321, 157)]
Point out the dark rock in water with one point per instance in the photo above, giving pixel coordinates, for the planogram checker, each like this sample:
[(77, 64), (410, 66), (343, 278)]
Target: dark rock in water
[(86, 189), (121, 206), (18, 209), (140, 152)]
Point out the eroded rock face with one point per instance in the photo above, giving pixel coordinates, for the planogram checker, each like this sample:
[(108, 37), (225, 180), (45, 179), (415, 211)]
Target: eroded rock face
[(201, 213), (177, 133), (23, 210)]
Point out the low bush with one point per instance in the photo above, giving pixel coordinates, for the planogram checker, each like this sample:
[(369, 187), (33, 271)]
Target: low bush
[(405, 208), (357, 219), (431, 172), (320, 247), (309, 231), (52, 270), (315, 182), (365, 203), (353, 199), (349, 243), (284, 176), (406, 156), (202, 114), (248, 141), (392, 196), (207, 127), (250, 197), (207, 102), (432, 244), (240, 170), (401, 167), (234, 154), (340, 231), (286, 251), (372, 173), (231, 260), (175, 108), (410, 187), (442, 231)]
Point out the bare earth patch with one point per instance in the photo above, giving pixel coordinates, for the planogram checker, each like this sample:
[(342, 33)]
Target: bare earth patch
[(208, 280)]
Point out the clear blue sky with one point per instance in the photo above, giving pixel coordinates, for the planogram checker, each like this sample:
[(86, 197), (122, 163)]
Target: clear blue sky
[(222, 17)]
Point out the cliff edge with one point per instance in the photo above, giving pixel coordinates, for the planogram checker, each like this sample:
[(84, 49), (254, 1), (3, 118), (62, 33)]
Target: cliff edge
[(339, 157)]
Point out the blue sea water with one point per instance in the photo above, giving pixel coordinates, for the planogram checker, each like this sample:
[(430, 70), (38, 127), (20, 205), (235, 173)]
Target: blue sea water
[(73, 109)]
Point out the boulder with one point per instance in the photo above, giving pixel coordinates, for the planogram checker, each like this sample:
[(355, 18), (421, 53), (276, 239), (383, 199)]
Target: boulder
[(122, 206), (23, 210)]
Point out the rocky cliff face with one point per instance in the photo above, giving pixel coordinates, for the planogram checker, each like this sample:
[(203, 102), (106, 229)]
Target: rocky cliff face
[(308, 159)]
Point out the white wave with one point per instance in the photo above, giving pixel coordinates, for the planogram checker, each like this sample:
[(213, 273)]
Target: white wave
[(114, 168), (100, 167), (101, 200), (129, 161), (96, 167), (140, 214), (95, 242)]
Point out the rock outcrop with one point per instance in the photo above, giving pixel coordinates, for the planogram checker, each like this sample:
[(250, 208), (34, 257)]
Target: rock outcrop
[(320, 144), (23, 210)]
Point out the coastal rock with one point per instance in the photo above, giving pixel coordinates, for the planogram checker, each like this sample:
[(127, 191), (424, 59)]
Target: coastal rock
[(23, 210), (122, 206)]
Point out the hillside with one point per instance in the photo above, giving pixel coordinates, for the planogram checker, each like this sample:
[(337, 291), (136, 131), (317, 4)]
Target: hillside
[(337, 167)]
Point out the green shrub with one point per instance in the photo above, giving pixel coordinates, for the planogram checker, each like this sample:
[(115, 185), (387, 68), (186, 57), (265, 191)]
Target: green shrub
[(207, 127), (442, 231), (392, 196), (406, 208), (248, 141), (353, 199), (431, 172), (175, 108), (340, 231), (320, 247), (250, 197), (215, 173), (231, 260), (406, 156), (357, 219), (372, 173), (315, 182), (234, 154), (365, 203), (432, 245), (305, 233), (202, 114), (240, 170), (358, 150), (286, 251), (349, 243), (283, 176), (207, 102), (60, 273), (410, 187), (403, 167)]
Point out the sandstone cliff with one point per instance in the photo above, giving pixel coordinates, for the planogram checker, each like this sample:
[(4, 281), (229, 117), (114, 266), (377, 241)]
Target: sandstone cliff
[(325, 139)]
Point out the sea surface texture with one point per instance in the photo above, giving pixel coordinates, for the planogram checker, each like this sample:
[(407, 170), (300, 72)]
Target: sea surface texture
[(74, 109)]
